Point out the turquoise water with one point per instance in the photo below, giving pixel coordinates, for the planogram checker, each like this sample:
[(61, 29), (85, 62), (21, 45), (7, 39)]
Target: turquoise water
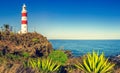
[(81, 47)]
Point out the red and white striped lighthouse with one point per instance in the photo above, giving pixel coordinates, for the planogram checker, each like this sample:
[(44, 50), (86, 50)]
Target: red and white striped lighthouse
[(24, 23)]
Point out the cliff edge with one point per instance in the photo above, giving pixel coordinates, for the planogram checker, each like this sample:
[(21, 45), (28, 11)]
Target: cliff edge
[(33, 43)]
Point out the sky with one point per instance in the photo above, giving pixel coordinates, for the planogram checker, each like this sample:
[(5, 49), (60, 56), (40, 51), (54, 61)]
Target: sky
[(65, 19)]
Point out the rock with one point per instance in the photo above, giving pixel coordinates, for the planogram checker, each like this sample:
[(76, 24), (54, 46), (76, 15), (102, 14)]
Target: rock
[(116, 60), (117, 70), (69, 53)]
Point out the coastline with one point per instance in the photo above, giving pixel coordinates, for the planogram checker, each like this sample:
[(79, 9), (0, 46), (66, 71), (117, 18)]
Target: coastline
[(33, 46), (81, 47)]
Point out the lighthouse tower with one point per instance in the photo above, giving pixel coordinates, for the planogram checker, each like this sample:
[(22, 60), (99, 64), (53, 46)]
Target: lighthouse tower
[(24, 23)]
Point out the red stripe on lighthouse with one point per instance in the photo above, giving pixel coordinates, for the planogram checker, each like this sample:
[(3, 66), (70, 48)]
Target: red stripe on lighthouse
[(24, 14), (24, 22)]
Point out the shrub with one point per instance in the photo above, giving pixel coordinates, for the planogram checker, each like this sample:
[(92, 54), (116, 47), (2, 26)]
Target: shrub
[(44, 65), (93, 63), (1, 53), (25, 54), (59, 56), (12, 56), (35, 40)]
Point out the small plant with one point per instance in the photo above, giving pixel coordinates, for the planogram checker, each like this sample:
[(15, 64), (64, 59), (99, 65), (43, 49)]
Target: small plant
[(44, 65), (1, 53), (59, 56), (93, 63), (25, 54), (12, 56), (35, 40), (1, 60)]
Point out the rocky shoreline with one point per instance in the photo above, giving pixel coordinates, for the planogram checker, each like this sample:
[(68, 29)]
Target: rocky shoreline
[(34, 45)]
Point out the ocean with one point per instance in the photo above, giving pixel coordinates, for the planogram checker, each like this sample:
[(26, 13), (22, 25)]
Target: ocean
[(81, 47)]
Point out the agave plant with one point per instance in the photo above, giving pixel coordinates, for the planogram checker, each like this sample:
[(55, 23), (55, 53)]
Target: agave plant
[(44, 65), (93, 63)]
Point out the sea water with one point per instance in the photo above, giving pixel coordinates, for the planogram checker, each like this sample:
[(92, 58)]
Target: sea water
[(81, 47)]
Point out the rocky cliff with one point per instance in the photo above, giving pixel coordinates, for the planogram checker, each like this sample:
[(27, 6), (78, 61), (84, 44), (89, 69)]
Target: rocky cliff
[(13, 45), (33, 43)]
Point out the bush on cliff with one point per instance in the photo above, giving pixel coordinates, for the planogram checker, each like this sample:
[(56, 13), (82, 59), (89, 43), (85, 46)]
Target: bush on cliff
[(12, 56), (25, 54), (59, 56), (35, 40)]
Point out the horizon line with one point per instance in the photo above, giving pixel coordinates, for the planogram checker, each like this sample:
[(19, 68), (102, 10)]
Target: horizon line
[(79, 39)]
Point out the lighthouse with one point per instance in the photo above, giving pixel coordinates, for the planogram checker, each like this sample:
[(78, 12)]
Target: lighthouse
[(24, 23)]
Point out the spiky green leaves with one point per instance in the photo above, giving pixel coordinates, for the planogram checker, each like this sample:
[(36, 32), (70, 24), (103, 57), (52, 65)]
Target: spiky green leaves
[(93, 63), (44, 65)]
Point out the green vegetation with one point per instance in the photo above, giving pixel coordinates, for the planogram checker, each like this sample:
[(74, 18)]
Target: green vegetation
[(43, 65), (9, 56), (12, 56), (95, 64), (35, 40), (92, 63), (59, 56), (25, 54), (6, 27), (1, 54)]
